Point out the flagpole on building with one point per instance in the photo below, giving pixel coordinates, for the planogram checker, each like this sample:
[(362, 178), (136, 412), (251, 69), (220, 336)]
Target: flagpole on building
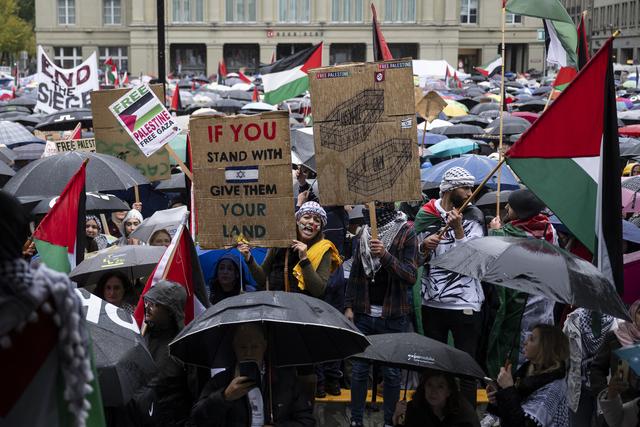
[(502, 105)]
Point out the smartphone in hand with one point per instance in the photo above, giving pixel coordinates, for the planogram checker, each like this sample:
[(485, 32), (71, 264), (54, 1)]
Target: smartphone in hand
[(251, 370)]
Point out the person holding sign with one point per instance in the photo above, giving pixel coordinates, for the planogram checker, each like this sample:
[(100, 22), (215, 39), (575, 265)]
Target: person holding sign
[(377, 301), (303, 267)]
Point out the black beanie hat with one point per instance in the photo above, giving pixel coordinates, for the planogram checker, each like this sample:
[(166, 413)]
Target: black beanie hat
[(14, 227), (525, 204)]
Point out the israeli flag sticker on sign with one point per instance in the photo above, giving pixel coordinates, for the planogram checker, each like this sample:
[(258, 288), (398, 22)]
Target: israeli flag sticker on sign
[(240, 174)]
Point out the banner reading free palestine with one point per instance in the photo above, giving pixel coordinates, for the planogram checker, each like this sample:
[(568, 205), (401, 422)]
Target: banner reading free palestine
[(145, 119)]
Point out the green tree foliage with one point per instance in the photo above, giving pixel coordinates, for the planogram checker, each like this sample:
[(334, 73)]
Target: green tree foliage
[(16, 34)]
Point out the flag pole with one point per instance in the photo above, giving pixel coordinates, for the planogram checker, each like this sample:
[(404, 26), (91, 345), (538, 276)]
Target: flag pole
[(502, 105)]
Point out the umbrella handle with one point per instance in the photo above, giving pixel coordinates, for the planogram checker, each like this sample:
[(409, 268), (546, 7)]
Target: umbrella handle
[(286, 271)]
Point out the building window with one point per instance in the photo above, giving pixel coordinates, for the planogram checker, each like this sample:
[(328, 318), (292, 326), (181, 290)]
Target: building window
[(241, 10), (112, 12), (188, 11), (66, 12), (118, 55), (400, 11), (347, 52), (288, 49), (346, 10), (512, 18), (468, 11), (67, 57), (293, 10), (238, 56), (404, 50)]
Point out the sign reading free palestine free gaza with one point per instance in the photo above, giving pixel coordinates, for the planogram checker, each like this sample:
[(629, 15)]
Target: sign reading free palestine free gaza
[(145, 119)]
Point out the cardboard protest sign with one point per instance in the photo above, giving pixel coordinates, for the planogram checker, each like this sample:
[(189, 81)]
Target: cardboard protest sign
[(430, 105), (365, 134), (145, 119), (112, 139), (242, 179), (60, 88), (84, 144)]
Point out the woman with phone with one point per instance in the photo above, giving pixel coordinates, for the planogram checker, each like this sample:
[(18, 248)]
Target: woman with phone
[(436, 402), (536, 395)]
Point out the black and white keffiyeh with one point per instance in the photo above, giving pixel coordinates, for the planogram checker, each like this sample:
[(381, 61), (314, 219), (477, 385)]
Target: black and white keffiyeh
[(386, 234), (23, 292), (456, 177)]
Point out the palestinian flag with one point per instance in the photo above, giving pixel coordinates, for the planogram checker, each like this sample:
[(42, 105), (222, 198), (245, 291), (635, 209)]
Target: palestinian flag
[(287, 77), (428, 219), (456, 80), (491, 68), (573, 168), (381, 50), (242, 76), (583, 45), (222, 72), (125, 79), (563, 78), (60, 237), (179, 264), (176, 102), (560, 32), (141, 111)]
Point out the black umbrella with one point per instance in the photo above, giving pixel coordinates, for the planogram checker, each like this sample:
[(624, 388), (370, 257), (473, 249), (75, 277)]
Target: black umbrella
[(23, 101), (489, 198), (66, 119), (536, 267), (96, 202), (301, 330), (541, 90), (484, 106), (7, 108), (228, 105), (28, 119), (535, 105), (458, 130), (470, 119), (133, 260), (416, 352), (239, 95), (49, 175), (468, 102), (175, 183), (121, 357), (31, 151)]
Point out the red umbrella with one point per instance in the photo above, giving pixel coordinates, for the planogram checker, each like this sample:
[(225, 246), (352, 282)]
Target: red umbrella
[(632, 130), (527, 115)]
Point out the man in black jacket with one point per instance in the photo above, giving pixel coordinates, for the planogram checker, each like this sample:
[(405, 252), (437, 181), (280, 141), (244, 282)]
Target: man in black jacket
[(230, 399)]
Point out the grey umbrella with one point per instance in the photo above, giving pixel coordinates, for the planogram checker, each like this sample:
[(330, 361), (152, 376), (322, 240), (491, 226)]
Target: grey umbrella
[(484, 106), (167, 219), (470, 119), (302, 146), (301, 330), (7, 155), (459, 130), (48, 176), (14, 135), (536, 267), (629, 147), (122, 359), (416, 352), (5, 170), (133, 261)]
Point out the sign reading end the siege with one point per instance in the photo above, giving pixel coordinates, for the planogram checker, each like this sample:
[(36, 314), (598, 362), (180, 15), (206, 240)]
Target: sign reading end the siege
[(145, 119), (242, 179)]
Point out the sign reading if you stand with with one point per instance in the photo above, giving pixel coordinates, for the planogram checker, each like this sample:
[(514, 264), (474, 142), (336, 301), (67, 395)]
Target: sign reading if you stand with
[(145, 119), (242, 179)]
